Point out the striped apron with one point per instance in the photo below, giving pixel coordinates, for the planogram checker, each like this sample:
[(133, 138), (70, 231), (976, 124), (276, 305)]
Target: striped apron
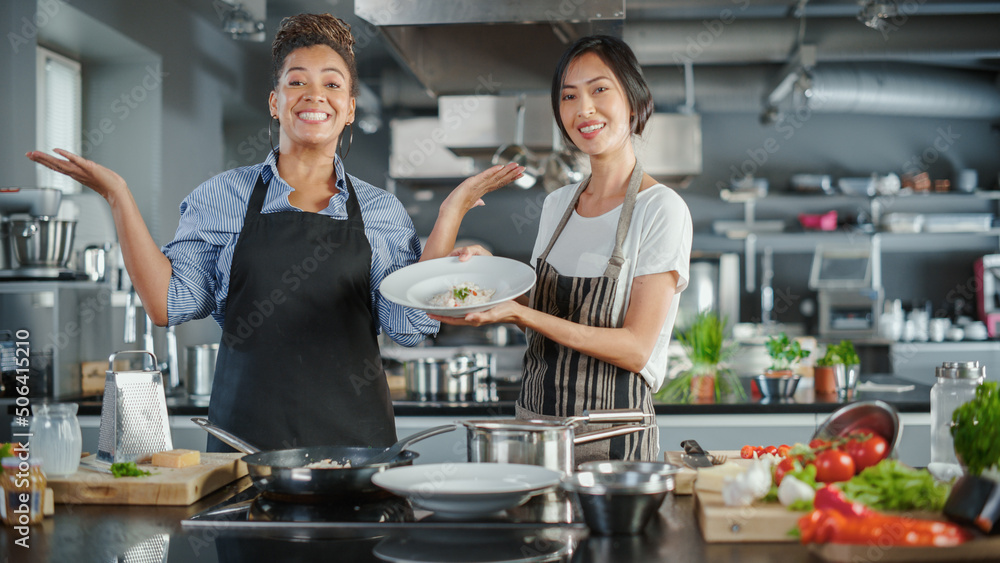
[(558, 381)]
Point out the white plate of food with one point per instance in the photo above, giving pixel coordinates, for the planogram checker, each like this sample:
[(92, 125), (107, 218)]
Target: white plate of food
[(451, 288), (463, 490)]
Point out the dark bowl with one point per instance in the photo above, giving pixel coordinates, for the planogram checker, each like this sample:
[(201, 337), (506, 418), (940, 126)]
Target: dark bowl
[(777, 387)]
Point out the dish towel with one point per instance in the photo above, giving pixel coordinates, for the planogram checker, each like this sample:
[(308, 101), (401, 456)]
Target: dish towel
[(884, 387)]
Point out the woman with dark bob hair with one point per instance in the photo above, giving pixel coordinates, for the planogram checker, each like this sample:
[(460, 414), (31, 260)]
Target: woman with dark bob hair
[(287, 255), (611, 256)]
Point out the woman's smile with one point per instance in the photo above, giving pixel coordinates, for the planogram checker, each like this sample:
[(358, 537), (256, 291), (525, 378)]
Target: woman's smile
[(313, 99)]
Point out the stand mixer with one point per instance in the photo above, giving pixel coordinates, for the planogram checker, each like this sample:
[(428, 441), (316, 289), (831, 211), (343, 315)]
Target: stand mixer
[(34, 243)]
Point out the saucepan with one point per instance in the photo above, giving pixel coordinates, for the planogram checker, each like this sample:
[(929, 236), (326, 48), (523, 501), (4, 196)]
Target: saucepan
[(544, 442), (285, 472)]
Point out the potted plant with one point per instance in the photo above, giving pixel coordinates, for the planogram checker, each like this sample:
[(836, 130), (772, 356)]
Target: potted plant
[(705, 376), (975, 497), (837, 357), (785, 353)]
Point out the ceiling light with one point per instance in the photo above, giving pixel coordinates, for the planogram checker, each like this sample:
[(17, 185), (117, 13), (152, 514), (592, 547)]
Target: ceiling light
[(240, 24)]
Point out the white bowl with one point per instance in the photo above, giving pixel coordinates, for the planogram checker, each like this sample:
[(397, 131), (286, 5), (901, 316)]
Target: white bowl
[(414, 285)]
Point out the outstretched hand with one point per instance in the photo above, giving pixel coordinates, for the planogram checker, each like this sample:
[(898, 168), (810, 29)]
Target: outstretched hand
[(96, 177), (470, 192)]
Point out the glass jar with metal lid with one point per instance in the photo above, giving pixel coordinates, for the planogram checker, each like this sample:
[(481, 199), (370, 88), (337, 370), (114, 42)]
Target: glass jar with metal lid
[(956, 384)]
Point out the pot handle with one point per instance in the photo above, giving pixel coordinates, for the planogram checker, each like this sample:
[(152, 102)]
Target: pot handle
[(29, 230), (595, 435), (613, 415), (468, 371), (225, 436)]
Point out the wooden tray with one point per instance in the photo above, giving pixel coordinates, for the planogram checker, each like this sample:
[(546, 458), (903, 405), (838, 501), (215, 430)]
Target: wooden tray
[(167, 486)]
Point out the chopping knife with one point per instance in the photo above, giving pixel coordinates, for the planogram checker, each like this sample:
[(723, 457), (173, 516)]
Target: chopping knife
[(694, 456)]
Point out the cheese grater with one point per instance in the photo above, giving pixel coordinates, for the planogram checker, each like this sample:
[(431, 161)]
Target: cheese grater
[(152, 550), (133, 414)]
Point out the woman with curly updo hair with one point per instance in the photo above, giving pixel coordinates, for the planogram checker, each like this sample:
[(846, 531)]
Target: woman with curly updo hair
[(287, 255)]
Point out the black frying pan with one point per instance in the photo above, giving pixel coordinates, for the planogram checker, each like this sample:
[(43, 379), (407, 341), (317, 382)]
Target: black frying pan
[(283, 472)]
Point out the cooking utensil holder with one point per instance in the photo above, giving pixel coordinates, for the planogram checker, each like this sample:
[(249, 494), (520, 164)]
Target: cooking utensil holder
[(133, 414)]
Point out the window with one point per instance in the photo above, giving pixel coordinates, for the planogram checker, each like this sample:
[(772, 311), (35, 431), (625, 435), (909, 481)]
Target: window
[(59, 114)]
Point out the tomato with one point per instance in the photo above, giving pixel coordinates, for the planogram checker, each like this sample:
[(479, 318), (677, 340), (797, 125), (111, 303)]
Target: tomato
[(819, 443), (783, 467), (866, 449), (833, 466), (746, 452), (773, 450), (783, 450)]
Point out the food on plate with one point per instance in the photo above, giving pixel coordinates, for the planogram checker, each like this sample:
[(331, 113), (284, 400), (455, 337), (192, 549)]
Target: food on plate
[(127, 469), (461, 295), (893, 486), (329, 463), (177, 458), (838, 520)]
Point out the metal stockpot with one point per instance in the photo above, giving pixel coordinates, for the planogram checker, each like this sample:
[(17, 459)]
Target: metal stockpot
[(463, 377), (41, 242), (200, 369), (545, 443)]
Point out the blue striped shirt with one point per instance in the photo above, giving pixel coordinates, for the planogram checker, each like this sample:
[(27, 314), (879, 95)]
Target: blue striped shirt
[(211, 220)]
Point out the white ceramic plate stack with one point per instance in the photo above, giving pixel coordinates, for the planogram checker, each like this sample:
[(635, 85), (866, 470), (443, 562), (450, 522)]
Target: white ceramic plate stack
[(414, 285), (465, 490)]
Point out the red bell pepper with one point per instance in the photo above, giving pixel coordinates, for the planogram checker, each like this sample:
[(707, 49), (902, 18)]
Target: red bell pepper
[(833, 526), (831, 498)]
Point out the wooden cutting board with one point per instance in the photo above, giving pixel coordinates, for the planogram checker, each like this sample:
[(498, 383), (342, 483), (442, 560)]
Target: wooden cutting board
[(167, 486), (759, 522)]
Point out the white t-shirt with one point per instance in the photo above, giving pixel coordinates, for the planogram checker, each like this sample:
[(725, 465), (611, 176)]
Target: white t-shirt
[(658, 240)]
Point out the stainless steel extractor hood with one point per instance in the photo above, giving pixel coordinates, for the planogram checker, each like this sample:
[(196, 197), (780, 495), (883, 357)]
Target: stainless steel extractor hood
[(486, 47)]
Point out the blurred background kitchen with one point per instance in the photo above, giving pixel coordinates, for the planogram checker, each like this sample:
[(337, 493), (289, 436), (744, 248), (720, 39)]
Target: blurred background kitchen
[(840, 158)]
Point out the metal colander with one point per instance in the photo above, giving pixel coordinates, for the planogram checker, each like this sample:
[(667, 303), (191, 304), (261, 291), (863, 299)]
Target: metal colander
[(133, 414)]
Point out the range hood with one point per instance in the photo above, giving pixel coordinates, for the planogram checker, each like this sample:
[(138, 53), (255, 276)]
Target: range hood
[(485, 47)]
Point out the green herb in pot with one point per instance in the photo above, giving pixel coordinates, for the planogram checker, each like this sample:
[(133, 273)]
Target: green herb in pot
[(975, 496), (976, 430)]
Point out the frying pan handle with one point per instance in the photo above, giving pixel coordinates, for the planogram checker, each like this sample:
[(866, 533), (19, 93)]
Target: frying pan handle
[(615, 415), (224, 435), (595, 435)]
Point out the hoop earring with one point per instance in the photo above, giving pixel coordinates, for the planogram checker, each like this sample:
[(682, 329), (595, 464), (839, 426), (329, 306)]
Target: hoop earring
[(350, 141), (273, 119)]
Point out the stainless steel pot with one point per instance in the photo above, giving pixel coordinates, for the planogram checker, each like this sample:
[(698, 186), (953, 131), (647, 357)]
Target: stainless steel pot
[(545, 443), (41, 242), (463, 377), (200, 371)]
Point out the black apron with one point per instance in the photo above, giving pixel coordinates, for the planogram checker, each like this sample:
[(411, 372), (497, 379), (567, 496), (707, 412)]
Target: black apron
[(560, 382), (299, 363)]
